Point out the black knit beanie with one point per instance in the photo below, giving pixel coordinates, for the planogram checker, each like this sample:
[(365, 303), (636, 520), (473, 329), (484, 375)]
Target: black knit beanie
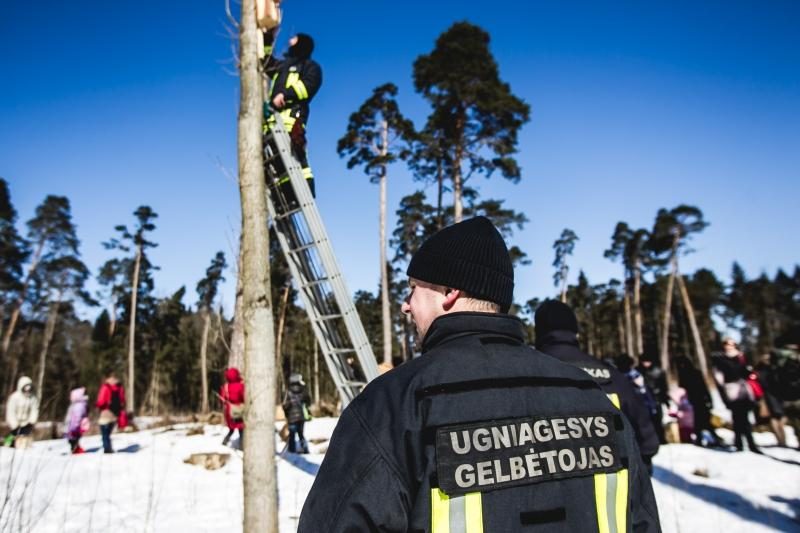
[(470, 256), (303, 48), (553, 315)]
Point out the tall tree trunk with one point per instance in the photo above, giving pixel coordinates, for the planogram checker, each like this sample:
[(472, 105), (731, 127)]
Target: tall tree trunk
[(204, 360), (12, 323), (564, 273), (260, 488), (626, 302), (665, 363), (439, 194), (112, 323), (700, 351), (637, 308), (236, 355), (620, 333), (458, 208), (279, 373), (49, 330), (132, 332), (316, 372), (385, 310)]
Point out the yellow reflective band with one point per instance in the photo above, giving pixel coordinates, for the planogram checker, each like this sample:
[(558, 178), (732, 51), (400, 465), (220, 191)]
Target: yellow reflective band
[(614, 399), (600, 483), (474, 512), (440, 512), (283, 180), (622, 500), (460, 514), (300, 89), (307, 174)]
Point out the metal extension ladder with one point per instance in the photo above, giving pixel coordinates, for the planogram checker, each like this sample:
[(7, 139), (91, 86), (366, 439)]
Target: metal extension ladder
[(314, 267)]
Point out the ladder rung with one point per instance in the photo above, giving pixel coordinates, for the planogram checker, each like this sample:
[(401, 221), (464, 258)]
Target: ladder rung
[(287, 214), (313, 283), (328, 317), (302, 248), (343, 350)]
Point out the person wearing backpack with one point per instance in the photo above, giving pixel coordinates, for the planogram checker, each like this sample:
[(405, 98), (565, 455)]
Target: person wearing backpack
[(232, 396), (731, 374), (295, 406), (111, 403)]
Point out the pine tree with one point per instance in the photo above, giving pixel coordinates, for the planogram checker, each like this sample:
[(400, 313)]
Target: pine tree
[(139, 281), (564, 247), (475, 117), (207, 292), (669, 240), (377, 136), (13, 253)]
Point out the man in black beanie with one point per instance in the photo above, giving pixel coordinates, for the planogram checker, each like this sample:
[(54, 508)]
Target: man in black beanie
[(481, 432), (556, 329)]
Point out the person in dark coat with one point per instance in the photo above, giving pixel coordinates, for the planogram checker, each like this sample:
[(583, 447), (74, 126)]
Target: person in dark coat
[(111, 403), (295, 407), (731, 373), (294, 81), (232, 396), (691, 380), (481, 432), (775, 411), (656, 380), (556, 329)]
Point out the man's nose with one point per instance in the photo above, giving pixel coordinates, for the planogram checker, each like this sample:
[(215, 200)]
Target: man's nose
[(404, 307)]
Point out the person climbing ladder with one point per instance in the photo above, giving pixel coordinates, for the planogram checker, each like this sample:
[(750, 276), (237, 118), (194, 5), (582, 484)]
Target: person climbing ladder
[(294, 81)]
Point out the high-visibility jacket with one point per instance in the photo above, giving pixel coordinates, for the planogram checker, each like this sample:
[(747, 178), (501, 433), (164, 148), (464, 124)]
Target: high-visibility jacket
[(298, 79), (482, 433)]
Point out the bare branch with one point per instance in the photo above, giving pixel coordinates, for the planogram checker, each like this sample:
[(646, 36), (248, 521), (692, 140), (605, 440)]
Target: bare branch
[(231, 18)]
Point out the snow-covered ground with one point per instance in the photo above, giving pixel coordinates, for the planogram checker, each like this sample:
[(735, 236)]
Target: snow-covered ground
[(148, 487)]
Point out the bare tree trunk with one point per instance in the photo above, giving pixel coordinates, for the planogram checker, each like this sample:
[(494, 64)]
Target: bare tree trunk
[(665, 364), (49, 330), (204, 360), (316, 372), (637, 308), (700, 351), (458, 208), (564, 273), (236, 356), (385, 309), (12, 323), (279, 343), (439, 194), (112, 324), (260, 488), (132, 333), (626, 301), (281, 323)]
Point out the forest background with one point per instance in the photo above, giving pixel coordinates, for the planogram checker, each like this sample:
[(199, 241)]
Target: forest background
[(631, 110)]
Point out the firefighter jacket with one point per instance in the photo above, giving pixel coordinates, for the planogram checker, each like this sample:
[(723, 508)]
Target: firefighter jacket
[(482, 433), (298, 79), (563, 345)]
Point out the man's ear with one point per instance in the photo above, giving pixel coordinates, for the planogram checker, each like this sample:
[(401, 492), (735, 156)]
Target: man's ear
[(450, 298)]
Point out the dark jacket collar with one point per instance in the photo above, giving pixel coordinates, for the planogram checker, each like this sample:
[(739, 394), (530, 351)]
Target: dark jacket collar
[(454, 325), (559, 336)]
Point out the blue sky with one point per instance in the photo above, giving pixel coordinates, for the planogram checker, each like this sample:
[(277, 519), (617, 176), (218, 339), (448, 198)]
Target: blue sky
[(635, 106)]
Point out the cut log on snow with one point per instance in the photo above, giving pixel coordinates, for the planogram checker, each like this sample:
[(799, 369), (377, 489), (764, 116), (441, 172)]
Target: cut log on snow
[(209, 461)]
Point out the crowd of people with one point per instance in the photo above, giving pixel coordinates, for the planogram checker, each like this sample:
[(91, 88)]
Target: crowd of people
[(483, 410)]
